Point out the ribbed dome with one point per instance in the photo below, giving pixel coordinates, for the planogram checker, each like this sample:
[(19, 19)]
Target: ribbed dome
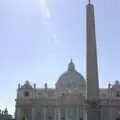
[(71, 75)]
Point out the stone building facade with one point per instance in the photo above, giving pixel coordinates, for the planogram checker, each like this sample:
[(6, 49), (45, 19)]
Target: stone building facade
[(67, 101), (110, 102), (64, 102)]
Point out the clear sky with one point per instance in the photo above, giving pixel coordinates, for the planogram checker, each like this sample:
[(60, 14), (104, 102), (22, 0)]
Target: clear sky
[(39, 37)]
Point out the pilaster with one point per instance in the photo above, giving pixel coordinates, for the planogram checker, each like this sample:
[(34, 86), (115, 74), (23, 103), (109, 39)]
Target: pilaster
[(18, 113), (77, 113), (44, 113), (33, 113), (66, 113), (55, 116)]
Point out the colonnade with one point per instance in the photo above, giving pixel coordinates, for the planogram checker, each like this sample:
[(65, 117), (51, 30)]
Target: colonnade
[(57, 113), (79, 113)]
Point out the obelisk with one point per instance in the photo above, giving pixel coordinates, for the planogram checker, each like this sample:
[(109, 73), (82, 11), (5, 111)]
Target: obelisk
[(92, 66)]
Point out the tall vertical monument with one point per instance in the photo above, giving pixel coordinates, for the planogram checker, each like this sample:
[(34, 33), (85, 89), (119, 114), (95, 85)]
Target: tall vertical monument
[(92, 66)]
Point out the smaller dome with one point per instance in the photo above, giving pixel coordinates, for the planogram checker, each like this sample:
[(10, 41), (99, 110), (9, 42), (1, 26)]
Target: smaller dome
[(117, 82)]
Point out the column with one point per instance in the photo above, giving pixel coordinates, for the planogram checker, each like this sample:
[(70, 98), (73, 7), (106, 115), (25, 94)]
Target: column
[(77, 112), (18, 113), (58, 113), (66, 113), (110, 114), (80, 111), (84, 114), (102, 113), (55, 113), (44, 112), (33, 113)]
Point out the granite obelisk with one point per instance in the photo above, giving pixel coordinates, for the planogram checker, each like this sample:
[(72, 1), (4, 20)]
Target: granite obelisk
[(92, 65)]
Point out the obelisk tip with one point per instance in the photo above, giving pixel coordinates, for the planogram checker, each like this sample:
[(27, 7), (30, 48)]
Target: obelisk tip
[(89, 1)]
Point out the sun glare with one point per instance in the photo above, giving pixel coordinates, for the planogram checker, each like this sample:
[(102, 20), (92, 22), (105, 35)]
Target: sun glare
[(43, 4), (44, 8)]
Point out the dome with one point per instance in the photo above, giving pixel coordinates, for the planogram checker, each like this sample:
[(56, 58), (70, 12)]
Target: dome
[(70, 76)]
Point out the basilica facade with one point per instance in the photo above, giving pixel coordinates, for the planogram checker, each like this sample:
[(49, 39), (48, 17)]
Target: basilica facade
[(64, 102)]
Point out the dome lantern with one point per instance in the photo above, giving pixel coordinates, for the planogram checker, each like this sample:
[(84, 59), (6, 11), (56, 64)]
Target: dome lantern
[(71, 66)]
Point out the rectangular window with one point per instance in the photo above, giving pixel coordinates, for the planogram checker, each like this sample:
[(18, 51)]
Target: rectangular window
[(117, 94), (26, 94)]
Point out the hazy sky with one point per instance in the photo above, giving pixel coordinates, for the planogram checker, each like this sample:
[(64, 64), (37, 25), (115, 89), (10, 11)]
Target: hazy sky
[(39, 37)]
